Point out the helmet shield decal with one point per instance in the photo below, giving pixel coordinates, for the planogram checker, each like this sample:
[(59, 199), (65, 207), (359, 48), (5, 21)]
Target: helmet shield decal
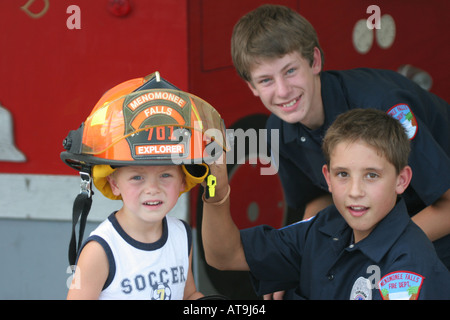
[(160, 124)]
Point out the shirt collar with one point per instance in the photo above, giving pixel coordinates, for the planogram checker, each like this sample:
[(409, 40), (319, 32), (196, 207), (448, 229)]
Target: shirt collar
[(290, 131), (334, 103), (377, 244), (333, 96)]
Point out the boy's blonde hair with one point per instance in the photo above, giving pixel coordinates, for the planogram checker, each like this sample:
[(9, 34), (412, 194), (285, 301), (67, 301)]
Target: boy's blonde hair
[(374, 127), (271, 31)]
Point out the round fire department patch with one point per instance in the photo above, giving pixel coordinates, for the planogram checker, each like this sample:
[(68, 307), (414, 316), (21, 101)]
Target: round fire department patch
[(401, 285), (403, 113)]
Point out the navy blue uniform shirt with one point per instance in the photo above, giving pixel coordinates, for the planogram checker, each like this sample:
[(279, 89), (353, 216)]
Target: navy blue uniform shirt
[(427, 119), (318, 260)]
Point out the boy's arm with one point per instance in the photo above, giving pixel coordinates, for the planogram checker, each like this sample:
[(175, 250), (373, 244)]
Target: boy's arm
[(221, 237), (90, 274), (434, 220), (190, 290), (318, 204)]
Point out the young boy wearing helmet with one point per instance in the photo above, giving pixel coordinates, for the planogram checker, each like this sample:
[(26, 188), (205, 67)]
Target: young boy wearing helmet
[(127, 145)]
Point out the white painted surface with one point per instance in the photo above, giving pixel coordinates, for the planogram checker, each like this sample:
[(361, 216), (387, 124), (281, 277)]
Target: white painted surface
[(50, 197)]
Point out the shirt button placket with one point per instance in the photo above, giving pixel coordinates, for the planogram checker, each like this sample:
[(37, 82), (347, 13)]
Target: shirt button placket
[(330, 275)]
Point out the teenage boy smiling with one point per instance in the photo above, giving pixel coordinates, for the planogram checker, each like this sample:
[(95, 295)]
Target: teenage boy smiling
[(290, 88)]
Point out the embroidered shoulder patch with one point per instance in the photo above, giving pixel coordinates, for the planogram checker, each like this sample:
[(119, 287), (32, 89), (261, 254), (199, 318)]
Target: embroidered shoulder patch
[(401, 285), (403, 113)]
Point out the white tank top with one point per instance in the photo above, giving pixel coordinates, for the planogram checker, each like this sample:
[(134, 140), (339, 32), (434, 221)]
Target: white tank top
[(137, 270)]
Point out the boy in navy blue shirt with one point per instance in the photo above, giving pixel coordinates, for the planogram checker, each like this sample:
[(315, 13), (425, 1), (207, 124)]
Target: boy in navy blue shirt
[(277, 53), (363, 247)]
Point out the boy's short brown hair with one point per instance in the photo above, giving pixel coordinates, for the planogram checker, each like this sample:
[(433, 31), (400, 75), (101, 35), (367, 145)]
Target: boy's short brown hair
[(374, 127), (271, 31)]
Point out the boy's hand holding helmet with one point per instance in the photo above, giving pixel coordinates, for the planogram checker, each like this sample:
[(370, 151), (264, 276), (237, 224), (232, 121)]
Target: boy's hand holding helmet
[(218, 170)]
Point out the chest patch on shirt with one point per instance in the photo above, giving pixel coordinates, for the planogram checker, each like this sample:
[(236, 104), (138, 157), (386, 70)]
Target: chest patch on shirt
[(361, 290), (401, 285), (403, 113)]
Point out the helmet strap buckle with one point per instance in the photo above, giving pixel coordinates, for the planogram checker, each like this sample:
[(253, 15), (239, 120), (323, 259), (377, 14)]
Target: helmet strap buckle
[(86, 183), (81, 208)]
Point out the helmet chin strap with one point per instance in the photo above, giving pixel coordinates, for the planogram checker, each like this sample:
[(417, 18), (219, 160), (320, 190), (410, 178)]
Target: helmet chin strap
[(81, 208)]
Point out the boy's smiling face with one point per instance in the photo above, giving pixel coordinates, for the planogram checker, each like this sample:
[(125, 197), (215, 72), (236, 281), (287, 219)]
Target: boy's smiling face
[(364, 185), (290, 88), (148, 192)]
